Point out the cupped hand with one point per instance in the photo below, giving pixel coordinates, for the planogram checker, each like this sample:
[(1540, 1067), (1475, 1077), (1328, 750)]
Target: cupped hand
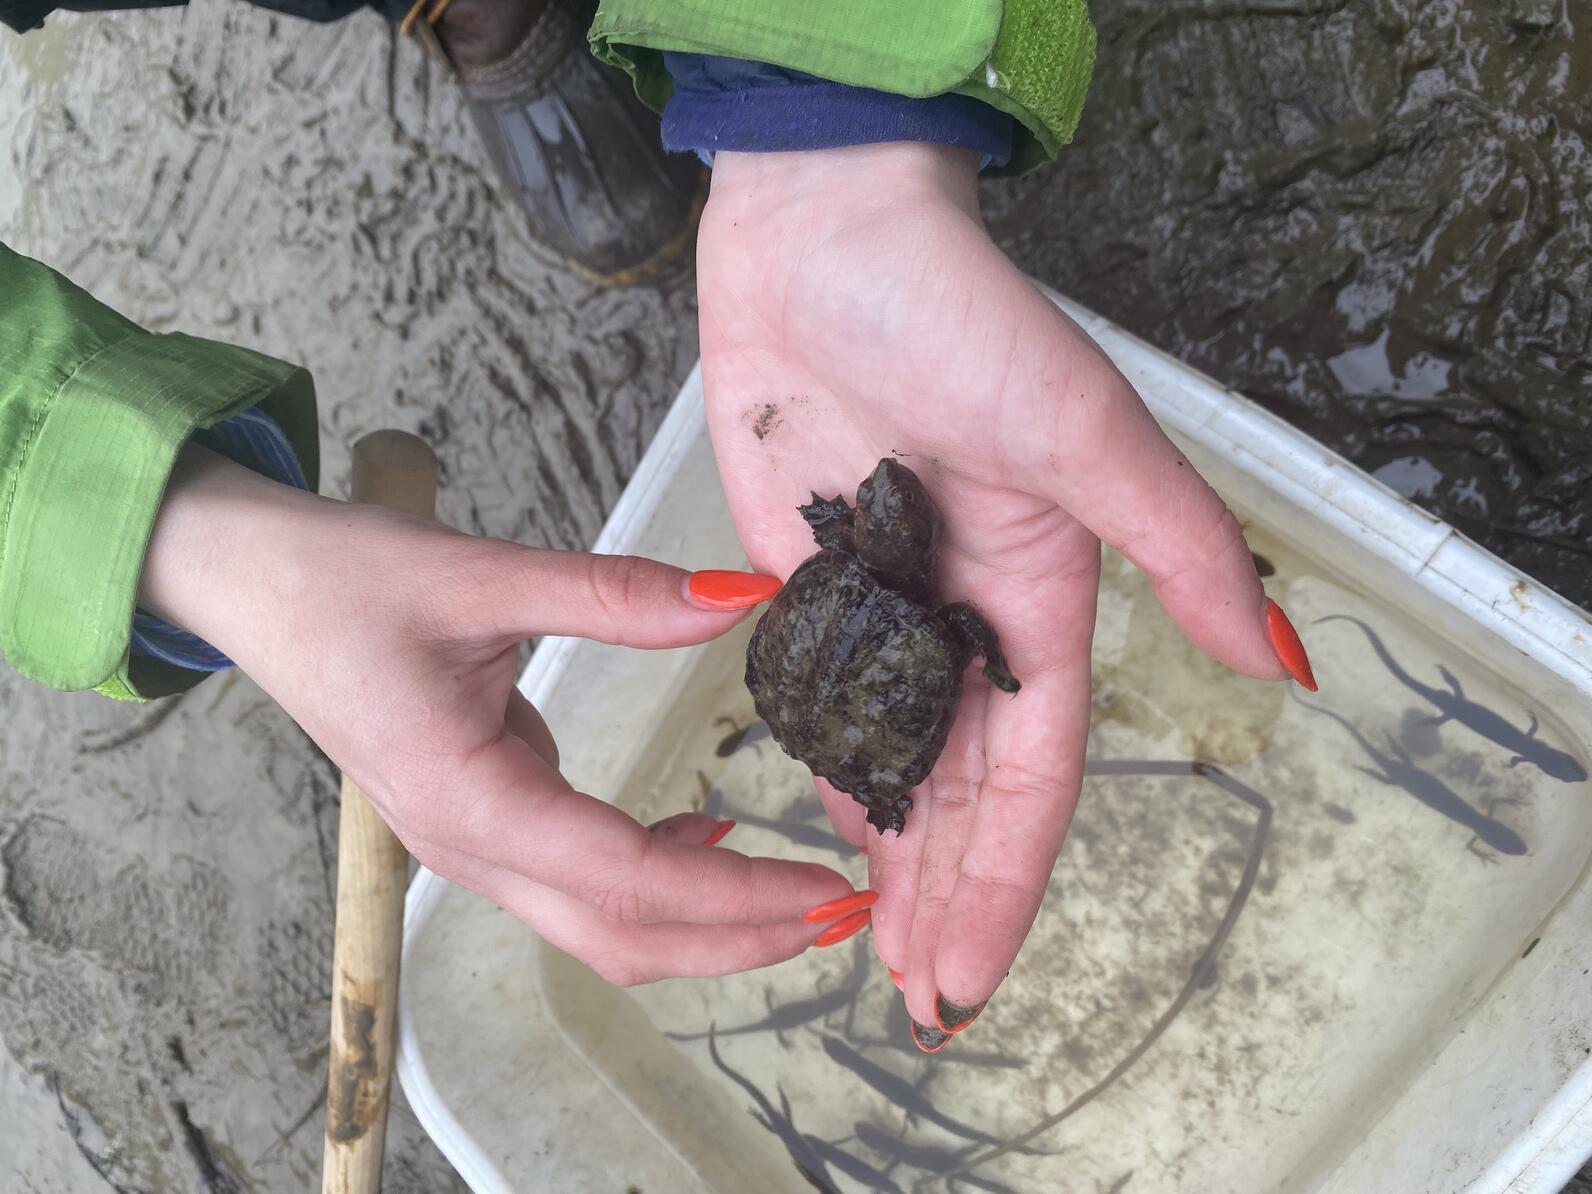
[(852, 308), (394, 642)]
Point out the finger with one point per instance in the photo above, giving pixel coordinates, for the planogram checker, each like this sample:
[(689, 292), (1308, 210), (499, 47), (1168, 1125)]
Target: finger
[(895, 862), (522, 720), (848, 817), (948, 815), (522, 815), (1102, 457), (630, 954), (1034, 752), (521, 592), (691, 829)]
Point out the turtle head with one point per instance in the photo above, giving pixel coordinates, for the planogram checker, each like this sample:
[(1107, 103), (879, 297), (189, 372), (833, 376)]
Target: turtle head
[(897, 526)]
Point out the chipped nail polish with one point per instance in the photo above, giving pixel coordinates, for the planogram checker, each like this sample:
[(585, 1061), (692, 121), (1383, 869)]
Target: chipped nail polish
[(717, 836), (953, 1017), (930, 1040)]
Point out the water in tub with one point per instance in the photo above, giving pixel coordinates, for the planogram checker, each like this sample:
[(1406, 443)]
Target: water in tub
[(1270, 909)]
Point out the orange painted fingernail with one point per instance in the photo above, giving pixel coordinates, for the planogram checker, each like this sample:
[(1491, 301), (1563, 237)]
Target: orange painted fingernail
[(930, 1040), (897, 978), (718, 833), (715, 588), (842, 929), (1285, 642), (845, 905), (953, 1017)]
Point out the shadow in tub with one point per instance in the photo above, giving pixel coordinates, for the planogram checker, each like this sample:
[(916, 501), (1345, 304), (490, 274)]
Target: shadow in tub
[(893, 1155), (1396, 767), (1451, 704)]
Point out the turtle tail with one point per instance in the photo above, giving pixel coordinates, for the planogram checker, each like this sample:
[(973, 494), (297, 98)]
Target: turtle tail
[(888, 813)]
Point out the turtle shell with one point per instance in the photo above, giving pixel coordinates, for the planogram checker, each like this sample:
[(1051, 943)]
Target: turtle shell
[(856, 680)]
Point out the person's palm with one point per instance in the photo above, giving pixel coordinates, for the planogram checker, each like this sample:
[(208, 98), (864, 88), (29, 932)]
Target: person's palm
[(853, 308)]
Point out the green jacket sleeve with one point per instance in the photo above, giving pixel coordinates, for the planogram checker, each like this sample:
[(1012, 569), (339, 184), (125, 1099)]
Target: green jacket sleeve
[(93, 411), (1030, 58)]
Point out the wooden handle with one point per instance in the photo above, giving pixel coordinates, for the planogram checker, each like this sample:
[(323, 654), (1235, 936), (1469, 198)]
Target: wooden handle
[(394, 469)]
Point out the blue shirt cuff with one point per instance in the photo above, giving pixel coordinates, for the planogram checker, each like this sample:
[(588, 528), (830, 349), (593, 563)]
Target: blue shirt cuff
[(725, 103), (254, 440)]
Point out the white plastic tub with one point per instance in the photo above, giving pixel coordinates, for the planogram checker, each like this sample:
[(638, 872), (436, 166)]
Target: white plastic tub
[(1273, 972)]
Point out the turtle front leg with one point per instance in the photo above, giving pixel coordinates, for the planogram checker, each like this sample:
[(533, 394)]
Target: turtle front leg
[(969, 625), (832, 522)]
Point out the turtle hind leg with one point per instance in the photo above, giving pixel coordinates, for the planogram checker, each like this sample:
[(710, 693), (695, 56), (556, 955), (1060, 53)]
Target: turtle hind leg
[(831, 521), (969, 625)]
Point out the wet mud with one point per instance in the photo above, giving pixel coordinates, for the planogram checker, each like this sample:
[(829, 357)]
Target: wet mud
[(1369, 217)]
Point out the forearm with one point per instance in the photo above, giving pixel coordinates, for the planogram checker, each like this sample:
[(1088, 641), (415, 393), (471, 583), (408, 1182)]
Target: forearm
[(94, 411)]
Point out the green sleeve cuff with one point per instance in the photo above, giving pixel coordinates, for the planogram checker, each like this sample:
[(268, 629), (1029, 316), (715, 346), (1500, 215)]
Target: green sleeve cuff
[(89, 478), (1029, 58)]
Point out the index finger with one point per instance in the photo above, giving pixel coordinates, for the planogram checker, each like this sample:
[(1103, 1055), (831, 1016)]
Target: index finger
[(520, 814)]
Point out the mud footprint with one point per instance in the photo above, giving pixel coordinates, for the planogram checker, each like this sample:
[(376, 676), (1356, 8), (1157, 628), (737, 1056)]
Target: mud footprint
[(156, 930)]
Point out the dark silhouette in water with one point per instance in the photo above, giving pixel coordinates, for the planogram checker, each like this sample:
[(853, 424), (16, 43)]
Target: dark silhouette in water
[(899, 1091), (755, 730), (810, 1154), (786, 1017), (817, 1158), (1201, 974), (781, 1018), (1401, 771), (713, 803), (920, 1156), (1454, 705)]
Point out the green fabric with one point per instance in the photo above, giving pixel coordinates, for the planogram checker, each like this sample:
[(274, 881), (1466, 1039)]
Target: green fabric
[(1042, 62), (1029, 58), (93, 411)]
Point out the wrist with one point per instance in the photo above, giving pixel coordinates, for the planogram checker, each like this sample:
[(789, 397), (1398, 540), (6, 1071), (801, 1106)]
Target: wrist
[(850, 178), (723, 104), (226, 544)]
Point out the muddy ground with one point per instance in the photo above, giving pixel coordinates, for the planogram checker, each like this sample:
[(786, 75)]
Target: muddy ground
[(1371, 218), (1368, 216)]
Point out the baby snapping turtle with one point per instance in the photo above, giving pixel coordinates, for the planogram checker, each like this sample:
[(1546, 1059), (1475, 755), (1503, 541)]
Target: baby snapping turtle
[(855, 666)]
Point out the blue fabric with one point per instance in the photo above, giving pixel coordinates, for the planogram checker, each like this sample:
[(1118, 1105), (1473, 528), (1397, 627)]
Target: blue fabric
[(253, 440), (725, 103)]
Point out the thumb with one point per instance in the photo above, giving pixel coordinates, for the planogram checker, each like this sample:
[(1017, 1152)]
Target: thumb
[(625, 600)]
